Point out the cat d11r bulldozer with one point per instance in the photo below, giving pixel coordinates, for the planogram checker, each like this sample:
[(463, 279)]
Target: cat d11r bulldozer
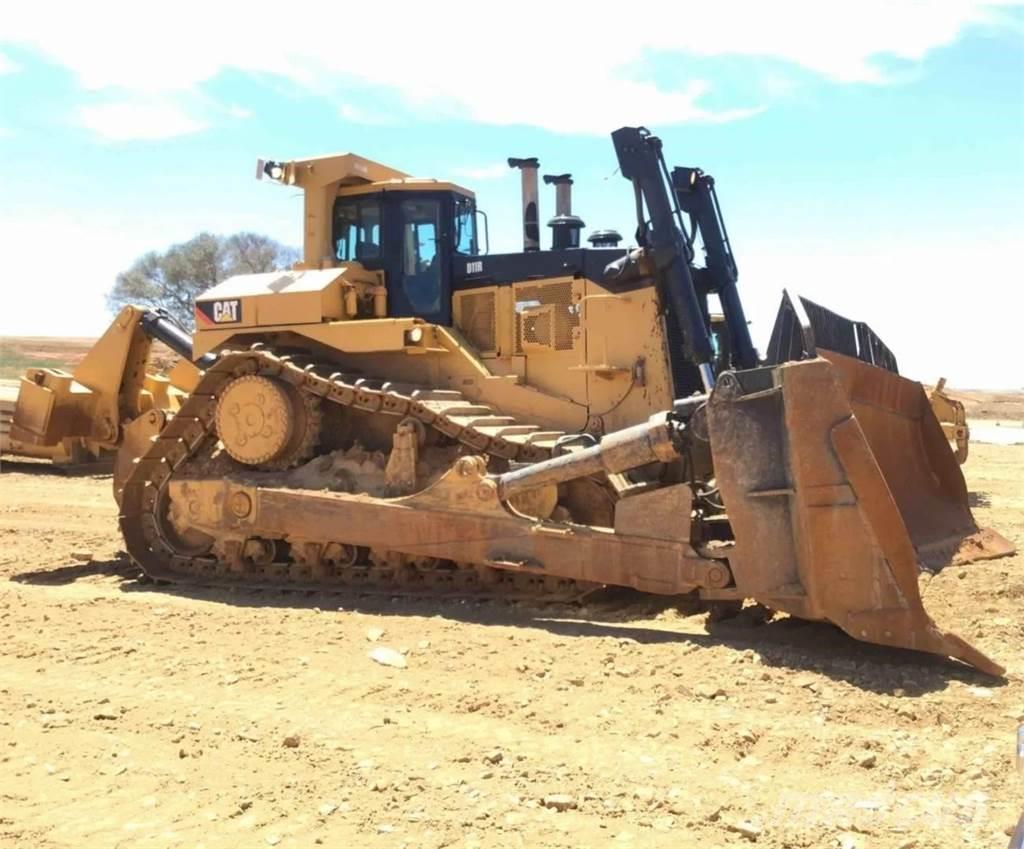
[(404, 413)]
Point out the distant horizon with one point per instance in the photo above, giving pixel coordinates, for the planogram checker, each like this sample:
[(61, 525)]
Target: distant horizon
[(86, 342)]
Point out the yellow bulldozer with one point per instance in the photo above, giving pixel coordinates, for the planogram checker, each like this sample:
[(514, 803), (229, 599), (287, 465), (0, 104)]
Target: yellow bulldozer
[(952, 416), (80, 419), (405, 412)]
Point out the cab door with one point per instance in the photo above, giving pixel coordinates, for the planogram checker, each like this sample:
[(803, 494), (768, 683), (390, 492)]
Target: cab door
[(418, 272)]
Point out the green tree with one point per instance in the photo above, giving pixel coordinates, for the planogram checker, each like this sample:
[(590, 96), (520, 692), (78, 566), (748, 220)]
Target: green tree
[(174, 278)]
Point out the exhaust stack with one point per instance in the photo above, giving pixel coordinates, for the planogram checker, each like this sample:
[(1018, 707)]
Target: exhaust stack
[(531, 216), (565, 227)]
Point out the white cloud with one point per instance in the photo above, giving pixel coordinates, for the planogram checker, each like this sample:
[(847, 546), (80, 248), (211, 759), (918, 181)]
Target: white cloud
[(238, 112), (362, 115), (130, 120), (8, 65), (575, 73)]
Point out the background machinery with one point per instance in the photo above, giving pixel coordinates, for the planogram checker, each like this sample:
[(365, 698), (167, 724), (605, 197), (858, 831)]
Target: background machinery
[(82, 417), (952, 416), (400, 412)]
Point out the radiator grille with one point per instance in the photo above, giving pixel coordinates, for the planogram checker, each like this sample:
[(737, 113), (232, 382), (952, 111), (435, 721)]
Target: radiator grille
[(546, 316), (537, 327)]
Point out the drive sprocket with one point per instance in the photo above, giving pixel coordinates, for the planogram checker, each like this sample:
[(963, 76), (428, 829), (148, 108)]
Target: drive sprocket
[(267, 423)]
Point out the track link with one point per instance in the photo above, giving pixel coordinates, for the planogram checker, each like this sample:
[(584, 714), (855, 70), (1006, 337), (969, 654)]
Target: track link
[(191, 434)]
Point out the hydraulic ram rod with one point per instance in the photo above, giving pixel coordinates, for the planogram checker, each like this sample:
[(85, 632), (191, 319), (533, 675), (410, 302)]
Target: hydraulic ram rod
[(160, 324), (656, 440)]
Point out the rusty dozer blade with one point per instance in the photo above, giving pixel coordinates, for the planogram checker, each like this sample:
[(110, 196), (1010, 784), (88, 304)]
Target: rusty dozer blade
[(918, 464), (838, 484)]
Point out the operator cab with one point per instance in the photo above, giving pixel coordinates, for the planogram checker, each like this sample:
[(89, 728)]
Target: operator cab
[(413, 235)]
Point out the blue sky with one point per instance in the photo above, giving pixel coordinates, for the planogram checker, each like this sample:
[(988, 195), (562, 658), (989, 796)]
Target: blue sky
[(868, 155)]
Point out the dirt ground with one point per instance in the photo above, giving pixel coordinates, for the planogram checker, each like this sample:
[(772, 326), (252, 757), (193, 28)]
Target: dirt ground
[(18, 353), (982, 405), (135, 715)]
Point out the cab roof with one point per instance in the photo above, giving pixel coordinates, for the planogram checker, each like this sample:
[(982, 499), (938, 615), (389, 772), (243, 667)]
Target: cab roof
[(355, 175), (405, 184)]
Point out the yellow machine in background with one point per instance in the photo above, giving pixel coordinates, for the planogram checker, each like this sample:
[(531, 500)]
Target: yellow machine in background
[(402, 412), (81, 417), (952, 417)]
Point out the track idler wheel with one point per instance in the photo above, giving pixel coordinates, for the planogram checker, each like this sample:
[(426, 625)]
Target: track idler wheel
[(266, 423)]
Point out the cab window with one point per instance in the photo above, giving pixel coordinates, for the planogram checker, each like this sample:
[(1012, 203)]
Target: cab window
[(356, 230), (421, 263), (465, 227)]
